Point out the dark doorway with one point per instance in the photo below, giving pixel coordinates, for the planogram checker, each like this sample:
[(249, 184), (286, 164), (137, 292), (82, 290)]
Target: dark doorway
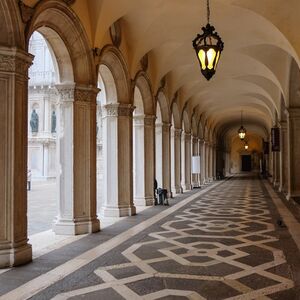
[(246, 163)]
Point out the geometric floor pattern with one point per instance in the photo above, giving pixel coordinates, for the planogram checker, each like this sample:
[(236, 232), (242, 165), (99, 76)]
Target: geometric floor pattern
[(221, 246)]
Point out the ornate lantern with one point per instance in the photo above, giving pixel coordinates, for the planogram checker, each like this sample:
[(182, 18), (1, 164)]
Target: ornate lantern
[(208, 47), (242, 131)]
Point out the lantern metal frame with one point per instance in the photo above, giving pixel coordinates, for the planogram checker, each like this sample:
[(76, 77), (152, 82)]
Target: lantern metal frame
[(242, 131), (209, 39)]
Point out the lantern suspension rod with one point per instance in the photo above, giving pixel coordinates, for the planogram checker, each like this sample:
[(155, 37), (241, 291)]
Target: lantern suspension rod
[(208, 11), (241, 117)]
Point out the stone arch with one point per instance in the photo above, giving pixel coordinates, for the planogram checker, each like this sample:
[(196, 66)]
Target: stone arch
[(107, 85), (164, 107), (294, 85), (142, 82), (11, 27), (57, 16), (76, 118), (113, 59), (176, 115), (186, 121), (200, 130), (194, 127)]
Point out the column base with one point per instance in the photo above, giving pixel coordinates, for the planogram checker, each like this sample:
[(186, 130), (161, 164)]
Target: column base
[(187, 187), (118, 211), (295, 197), (71, 227), (276, 184), (15, 256), (177, 190), (144, 201)]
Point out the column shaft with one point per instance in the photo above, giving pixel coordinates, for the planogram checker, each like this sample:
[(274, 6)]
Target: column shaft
[(166, 157), (76, 159), (144, 160), (14, 247), (187, 162), (195, 152), (176, 139), (293, 154), (283, 159), (118, 161)]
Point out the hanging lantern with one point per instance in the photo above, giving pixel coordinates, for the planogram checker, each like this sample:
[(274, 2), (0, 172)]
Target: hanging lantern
[(208, 47), (246, 146), (242, 131)]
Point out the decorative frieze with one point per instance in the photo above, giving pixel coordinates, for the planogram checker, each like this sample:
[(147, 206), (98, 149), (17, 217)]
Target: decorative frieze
[(86, 94), (118, 110), (177, 133), (293, 113), (149, 120), (283, 125), (12, 60), (166, 127), (65, 92), (194, 140), (187, 136)]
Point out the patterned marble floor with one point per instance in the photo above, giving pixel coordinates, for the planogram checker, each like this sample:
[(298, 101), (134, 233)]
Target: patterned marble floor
[(221, 244)]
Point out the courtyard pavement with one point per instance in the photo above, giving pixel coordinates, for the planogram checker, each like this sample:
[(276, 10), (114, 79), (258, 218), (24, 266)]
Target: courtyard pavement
[(234, 239), (42, 206)]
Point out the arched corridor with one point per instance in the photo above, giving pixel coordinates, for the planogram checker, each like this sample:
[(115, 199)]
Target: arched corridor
[(106, 113)]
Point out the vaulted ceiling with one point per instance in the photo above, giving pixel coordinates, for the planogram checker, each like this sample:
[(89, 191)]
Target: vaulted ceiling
[(261, 43)]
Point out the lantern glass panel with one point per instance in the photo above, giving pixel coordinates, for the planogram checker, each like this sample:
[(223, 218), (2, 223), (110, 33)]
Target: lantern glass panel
[(211, 55), (202, 56)]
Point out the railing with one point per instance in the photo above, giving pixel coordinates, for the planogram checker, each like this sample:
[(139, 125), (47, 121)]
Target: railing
[(41, 78)]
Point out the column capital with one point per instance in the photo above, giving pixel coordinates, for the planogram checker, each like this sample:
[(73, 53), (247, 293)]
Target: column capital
[(149, 120), (195, 139), (65, 92), (86, 94), (15, 60), (283, 125), (144, 120), (293, 112), (166, 126), (118, 110), (177, 132)]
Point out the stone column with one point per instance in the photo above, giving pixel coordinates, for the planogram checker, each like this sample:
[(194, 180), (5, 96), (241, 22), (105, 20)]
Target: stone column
[(210, 158), (227, 163), (166, 157), (270, 161), (144, 160), (46, 159), (158, 154), (195, 152), (76, 161), (293, 153), (276, 168), (206, 162), (202, 161), (118, 160), (176, 184), (187, 162), (14, 247), (283, 158), (214, 162)]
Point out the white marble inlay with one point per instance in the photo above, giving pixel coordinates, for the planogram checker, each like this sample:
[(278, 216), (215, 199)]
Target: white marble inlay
[(40, 283), (213, 214)]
